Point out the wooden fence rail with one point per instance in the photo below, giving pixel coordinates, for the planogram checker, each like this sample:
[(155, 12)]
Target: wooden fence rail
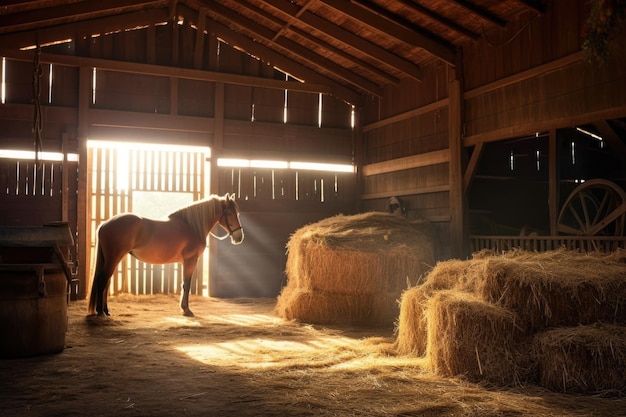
[(545, 243)]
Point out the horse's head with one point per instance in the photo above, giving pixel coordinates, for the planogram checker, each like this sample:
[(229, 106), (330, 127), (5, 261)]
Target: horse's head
[(229, 220)]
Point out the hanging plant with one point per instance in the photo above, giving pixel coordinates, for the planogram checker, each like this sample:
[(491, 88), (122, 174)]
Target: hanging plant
[(604, 23)]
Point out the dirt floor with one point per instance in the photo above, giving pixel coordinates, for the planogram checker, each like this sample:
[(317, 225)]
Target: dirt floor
[(237, 358)]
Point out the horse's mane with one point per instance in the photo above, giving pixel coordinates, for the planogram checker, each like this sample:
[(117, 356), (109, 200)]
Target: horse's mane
[(199, 215)]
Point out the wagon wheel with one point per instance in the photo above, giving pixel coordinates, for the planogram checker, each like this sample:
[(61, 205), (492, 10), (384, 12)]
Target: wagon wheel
[(595, 208)]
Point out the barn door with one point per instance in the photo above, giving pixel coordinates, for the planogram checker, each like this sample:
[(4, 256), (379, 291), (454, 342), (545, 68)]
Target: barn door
[(151, 181)]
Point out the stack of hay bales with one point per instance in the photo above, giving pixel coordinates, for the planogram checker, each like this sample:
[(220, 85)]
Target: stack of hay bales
[(353, 269), (555, 318)]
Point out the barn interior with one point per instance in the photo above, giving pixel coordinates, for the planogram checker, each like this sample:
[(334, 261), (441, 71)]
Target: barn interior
[(494, 125)]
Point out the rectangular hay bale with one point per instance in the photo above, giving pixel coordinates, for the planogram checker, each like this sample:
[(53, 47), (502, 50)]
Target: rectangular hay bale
[(318, 307), (583, 359), (412, 329), (475, 339)]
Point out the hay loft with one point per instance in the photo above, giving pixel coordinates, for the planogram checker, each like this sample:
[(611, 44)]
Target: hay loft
[(353, 269), (522, 317)]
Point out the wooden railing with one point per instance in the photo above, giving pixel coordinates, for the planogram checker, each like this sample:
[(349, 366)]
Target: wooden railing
[(544, 243)]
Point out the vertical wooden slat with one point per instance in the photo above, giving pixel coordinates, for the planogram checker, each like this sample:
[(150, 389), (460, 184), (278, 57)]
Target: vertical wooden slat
[(199, 47)]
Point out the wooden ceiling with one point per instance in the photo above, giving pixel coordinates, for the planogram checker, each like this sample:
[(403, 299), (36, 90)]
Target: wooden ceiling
[(359, 45)]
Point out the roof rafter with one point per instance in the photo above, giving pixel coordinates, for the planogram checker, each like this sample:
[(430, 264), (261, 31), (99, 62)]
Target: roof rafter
[(286, 27), (347, 38), (317, 61), (441, 19), (51, 16), (83, 28), (408, 35), (538, 6), (480, 12), (282, 62)]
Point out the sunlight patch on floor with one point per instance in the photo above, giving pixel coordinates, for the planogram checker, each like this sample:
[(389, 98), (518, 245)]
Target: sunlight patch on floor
[(182, 321), (272, 353), (245, 319)]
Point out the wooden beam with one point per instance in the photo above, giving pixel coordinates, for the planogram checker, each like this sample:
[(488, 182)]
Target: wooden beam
[(69, 31), (174, 27), (83, 205), (408, 35), (459, 238), (535, 5), (150, 121), (339, 52), (218, 134), (151, 45), (407, 191), (406, 115), (289, 46), (173, 96), (530, 129), (553, 181), (199, 47), (286, 27), (407, 162), (375, 52), (165, 71), (472, 165), (612, 139), (65, 181), (524, 75), (451, 24), (330, 86), (482, 13), (216, 151), (293, 19), (44, 17)]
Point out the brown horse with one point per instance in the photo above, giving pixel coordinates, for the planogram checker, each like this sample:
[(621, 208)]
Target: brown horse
[(180, 238)]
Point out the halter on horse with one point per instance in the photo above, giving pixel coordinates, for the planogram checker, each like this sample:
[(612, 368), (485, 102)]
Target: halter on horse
[(179, 238)]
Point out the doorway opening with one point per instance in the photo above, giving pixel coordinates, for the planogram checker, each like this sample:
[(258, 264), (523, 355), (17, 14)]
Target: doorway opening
[(151, 180)]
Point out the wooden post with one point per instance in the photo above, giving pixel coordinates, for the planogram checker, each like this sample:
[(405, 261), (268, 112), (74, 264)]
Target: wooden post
[(199, 49), (553, 181), (151, 45), (83, 209), (358, 150), (175, 56), (459, 239), (216, 149), (64, 179)]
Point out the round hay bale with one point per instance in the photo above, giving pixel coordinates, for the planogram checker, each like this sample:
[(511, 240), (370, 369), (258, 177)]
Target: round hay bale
[(475, 339), (584, 359), (367, 258)]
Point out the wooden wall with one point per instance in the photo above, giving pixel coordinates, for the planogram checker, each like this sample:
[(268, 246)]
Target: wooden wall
[(138, 98), (530, 78), (422, 141)]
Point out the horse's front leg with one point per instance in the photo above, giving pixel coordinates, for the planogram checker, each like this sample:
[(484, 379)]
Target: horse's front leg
[(188, 268)]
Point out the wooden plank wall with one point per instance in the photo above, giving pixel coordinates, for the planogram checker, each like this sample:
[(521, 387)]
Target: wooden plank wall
[(169, 108), (34, 194), (530, 78)]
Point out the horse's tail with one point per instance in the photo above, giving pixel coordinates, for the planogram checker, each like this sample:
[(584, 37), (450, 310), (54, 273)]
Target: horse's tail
[(97, 276)]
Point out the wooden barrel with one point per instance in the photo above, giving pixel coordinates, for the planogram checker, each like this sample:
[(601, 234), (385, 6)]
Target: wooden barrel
[(33, 310)]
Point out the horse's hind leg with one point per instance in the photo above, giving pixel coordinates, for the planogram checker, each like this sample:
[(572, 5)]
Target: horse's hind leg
[(102, 307), (104, 281)]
